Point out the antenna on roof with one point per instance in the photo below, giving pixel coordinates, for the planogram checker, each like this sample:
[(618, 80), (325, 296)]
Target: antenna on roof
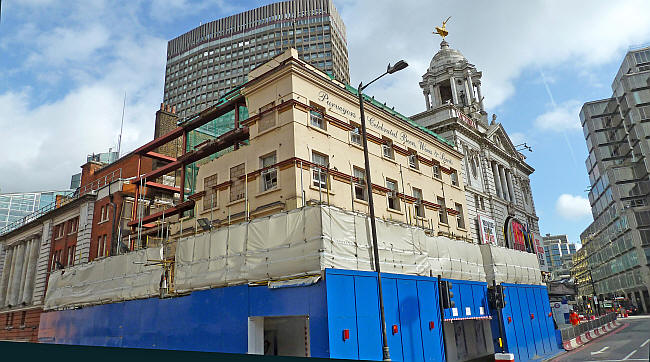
[(119, 140)]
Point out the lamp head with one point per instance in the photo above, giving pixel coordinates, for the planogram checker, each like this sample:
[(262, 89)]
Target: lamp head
[(397, 67)]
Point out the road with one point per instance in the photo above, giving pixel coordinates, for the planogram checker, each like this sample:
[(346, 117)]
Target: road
[(630, 342)]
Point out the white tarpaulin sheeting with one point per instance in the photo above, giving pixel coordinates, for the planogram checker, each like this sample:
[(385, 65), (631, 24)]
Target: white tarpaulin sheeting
[(120, 277), (308, 240), (505, 265)]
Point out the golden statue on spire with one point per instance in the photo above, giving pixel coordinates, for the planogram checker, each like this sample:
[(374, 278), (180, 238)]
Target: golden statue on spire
[(442, 30)]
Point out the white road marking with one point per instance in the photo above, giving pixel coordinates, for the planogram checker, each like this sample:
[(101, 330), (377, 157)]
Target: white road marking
[(629, 355), (646, 342), (618, 360), (602, 350)]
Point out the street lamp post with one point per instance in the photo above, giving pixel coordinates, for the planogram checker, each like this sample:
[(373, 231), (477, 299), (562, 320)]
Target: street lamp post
[(373, 229)]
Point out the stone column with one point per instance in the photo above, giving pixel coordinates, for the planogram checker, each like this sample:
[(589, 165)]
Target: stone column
[(468, 93), (510, 185), (470, 86), (478, 94), (21, 290), (504, 184), (497, 181), (16, 275), (454, 95), (6, 271), (31, 272), (436, 95), (426, 99)]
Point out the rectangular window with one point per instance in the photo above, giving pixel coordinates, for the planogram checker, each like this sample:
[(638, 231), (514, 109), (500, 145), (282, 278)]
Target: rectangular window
[(210, 197), (269, 175), (107, 249), (23, 316), (442, 213), (316, 119), (393, 199), (319, 174), (71, 252), (454, 177), (355, 134), (387, 149), (100, 247), (237, 184), (360, 189), (413, 159), (436, 171), (460, 218), (419, 208), (60, 231)]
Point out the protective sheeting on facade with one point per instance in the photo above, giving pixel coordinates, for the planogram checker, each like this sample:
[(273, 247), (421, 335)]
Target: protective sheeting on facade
[(504, 265), (120, 277), (308, 240)]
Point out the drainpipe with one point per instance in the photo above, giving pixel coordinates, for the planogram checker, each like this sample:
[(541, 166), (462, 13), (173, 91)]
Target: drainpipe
[(113, 244)]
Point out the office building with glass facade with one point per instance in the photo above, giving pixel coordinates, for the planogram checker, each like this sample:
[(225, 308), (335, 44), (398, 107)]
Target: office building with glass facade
[(617, 132), (558, 251), (15, 206), (206, 62)]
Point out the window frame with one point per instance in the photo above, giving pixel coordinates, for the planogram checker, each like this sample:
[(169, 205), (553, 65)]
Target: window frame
[(418, 206), (320, 117), (394, 196), (319, 181), (442, 213), (360, 185), (268, 171)]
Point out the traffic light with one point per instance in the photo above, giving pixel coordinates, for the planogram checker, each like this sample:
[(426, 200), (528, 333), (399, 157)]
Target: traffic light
[(497, 297), (446, 294), (500, 297)]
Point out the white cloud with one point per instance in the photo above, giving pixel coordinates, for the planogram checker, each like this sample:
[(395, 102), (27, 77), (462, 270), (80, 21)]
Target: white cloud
[(572, 207), (563, 117), (508, 38), (51, 138)]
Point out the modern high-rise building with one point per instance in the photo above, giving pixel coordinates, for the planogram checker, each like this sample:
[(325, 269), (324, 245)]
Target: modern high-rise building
[(617, 132), (558, 251), (16, 206), (206, 62)]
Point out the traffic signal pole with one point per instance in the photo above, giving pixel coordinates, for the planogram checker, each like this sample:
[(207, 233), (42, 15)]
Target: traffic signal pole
[(442, 316), (500, 315)]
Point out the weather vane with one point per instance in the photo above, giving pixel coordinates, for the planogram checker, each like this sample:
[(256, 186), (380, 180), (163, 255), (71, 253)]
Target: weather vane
[(442, 30)]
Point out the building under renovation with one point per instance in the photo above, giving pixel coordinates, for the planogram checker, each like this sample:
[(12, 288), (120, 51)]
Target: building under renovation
[(255, 238)]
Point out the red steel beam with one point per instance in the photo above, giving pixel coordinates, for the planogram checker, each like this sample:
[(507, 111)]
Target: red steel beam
[(162, 187), (166, 138), (197, 121), (159, 156), (220, 143), (174, 210)]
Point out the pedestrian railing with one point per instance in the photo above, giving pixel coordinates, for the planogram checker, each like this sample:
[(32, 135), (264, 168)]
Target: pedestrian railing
[(570, 332)]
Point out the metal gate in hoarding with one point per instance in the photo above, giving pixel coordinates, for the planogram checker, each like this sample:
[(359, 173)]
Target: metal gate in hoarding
[(411, 309), (528, 323)]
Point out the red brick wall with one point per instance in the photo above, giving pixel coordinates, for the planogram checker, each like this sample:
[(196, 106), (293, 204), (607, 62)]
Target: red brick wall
[(12, 329), (62, 245), (128, 164), (103, 228)]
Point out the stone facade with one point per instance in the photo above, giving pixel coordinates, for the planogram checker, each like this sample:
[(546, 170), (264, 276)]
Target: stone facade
[(497, 177)]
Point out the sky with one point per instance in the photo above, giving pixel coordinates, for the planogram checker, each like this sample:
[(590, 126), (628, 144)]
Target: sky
[(65, 67)]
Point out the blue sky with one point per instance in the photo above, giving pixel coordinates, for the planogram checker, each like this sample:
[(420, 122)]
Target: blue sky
[(66, 65)]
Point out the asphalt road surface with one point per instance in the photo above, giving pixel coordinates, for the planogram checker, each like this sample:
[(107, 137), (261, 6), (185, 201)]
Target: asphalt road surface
[(630, 342)]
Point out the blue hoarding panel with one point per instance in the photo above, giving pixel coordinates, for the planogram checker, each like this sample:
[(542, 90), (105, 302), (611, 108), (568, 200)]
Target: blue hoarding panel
[(533, 319), (430, 320), (391, 311), (540, 316), (368, 319), (342, 316), (409, 312)]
